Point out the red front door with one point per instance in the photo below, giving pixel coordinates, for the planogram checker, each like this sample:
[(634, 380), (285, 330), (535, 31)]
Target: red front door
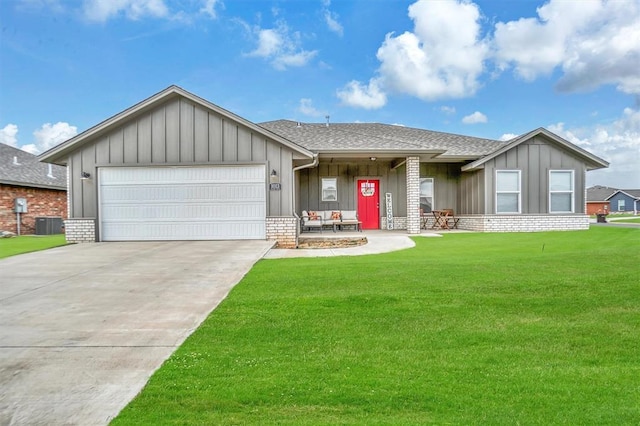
[(369, 203)]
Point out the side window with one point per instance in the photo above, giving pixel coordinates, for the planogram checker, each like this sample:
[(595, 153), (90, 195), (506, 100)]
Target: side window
[(508, 191), (561, 193), (426, 195), (329, 189)]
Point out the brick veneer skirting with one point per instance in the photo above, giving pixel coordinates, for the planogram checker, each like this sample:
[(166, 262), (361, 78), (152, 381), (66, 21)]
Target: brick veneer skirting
[(80, 230), (524, 223), (284, 230), (40, 203), (509, 223)]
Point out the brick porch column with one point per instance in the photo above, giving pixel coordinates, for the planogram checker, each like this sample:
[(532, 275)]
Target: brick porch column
[(413, 195)]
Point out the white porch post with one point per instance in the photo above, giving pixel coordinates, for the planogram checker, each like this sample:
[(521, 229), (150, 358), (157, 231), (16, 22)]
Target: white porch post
[(413, 195)]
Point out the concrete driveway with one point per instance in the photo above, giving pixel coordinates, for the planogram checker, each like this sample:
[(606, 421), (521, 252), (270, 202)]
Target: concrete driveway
[(83, 327)]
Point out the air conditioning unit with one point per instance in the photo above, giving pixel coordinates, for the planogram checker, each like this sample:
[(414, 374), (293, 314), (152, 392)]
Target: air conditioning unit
[(48, 225)]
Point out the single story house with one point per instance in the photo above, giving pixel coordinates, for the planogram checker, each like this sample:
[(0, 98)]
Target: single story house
[(597, 199), (40, 189), (178, 167), (625, 201)]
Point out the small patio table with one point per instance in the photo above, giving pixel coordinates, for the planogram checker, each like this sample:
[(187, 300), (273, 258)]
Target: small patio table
[(441, 219)]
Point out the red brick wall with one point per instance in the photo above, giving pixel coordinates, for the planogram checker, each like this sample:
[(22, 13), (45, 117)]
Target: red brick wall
[(595, 207), (40, 202)]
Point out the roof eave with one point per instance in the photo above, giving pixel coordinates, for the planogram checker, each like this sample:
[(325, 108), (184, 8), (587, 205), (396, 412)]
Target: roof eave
[(34, 185), (381, 153), (58, 154), (593, 162)]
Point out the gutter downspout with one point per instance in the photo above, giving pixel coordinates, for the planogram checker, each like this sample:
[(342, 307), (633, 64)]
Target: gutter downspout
[(293, 190)]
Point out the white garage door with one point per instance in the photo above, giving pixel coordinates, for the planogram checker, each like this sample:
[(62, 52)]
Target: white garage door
[(182, 203)]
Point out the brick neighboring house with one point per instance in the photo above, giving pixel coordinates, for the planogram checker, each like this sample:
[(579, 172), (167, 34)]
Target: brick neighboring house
[(603, 199), (44, 186), (598, 199)]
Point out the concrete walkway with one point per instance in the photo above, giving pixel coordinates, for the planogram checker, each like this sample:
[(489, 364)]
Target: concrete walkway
[(377, 242), (83, 327)]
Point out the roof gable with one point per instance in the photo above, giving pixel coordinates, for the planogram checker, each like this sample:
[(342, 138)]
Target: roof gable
[(592, 161), (59, 153), (600, 193), (20, 168), (634, 194)]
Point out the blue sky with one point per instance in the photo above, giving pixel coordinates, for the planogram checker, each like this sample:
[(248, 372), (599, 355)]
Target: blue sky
[(487, 68)]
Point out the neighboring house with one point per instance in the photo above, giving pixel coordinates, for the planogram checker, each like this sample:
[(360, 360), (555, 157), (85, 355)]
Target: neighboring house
[(177, 167), (625, 201), (43, 186), (597, 199)]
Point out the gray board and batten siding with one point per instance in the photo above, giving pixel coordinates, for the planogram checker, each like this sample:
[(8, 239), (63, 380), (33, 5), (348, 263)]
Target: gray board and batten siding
[(534, 158), (179, 132), (392, 180)]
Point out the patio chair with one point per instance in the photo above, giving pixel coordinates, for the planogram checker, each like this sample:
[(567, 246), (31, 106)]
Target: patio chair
[(310, 221)]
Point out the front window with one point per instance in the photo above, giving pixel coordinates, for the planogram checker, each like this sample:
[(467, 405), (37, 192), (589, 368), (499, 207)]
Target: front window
[(620, 205), (508, 191), (426, 195), (329, 189), (561, 191)]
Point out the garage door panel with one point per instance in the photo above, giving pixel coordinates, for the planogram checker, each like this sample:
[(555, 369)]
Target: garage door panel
[(182, 203), (180, 175), (184, 211), (201, 193), (193, 230)]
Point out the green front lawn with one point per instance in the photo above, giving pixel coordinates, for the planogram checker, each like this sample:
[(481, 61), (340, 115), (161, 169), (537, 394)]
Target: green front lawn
[(630, 220), (29, 243), (538, 328)]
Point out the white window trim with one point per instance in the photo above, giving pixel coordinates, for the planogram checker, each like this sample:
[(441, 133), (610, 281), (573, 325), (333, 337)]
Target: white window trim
[(322, 180), (573, 192), (519, 192), (433, 196)]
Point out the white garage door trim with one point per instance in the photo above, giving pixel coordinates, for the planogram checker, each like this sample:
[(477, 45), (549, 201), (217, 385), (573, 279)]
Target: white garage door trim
[(182, 203)]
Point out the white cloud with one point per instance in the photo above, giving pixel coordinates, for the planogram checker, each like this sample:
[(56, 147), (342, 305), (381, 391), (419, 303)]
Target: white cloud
[(449, 110), (475, 118), (102, 10), (281, 47), (508, 137), (50, 135), (334, 25), (594, 44), (209, 8), (306, 107), (358, 95), (617, 142), (8, 135), (332, 19), (442, 58)]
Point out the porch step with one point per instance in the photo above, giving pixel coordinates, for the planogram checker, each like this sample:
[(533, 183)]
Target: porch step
[(340, 242)]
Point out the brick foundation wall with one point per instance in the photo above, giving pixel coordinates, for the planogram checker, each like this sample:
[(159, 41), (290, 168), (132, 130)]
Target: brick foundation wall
[(80, 230), (524, 223), (398, 222), (505, 223), (40, 203), (283, 230)]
